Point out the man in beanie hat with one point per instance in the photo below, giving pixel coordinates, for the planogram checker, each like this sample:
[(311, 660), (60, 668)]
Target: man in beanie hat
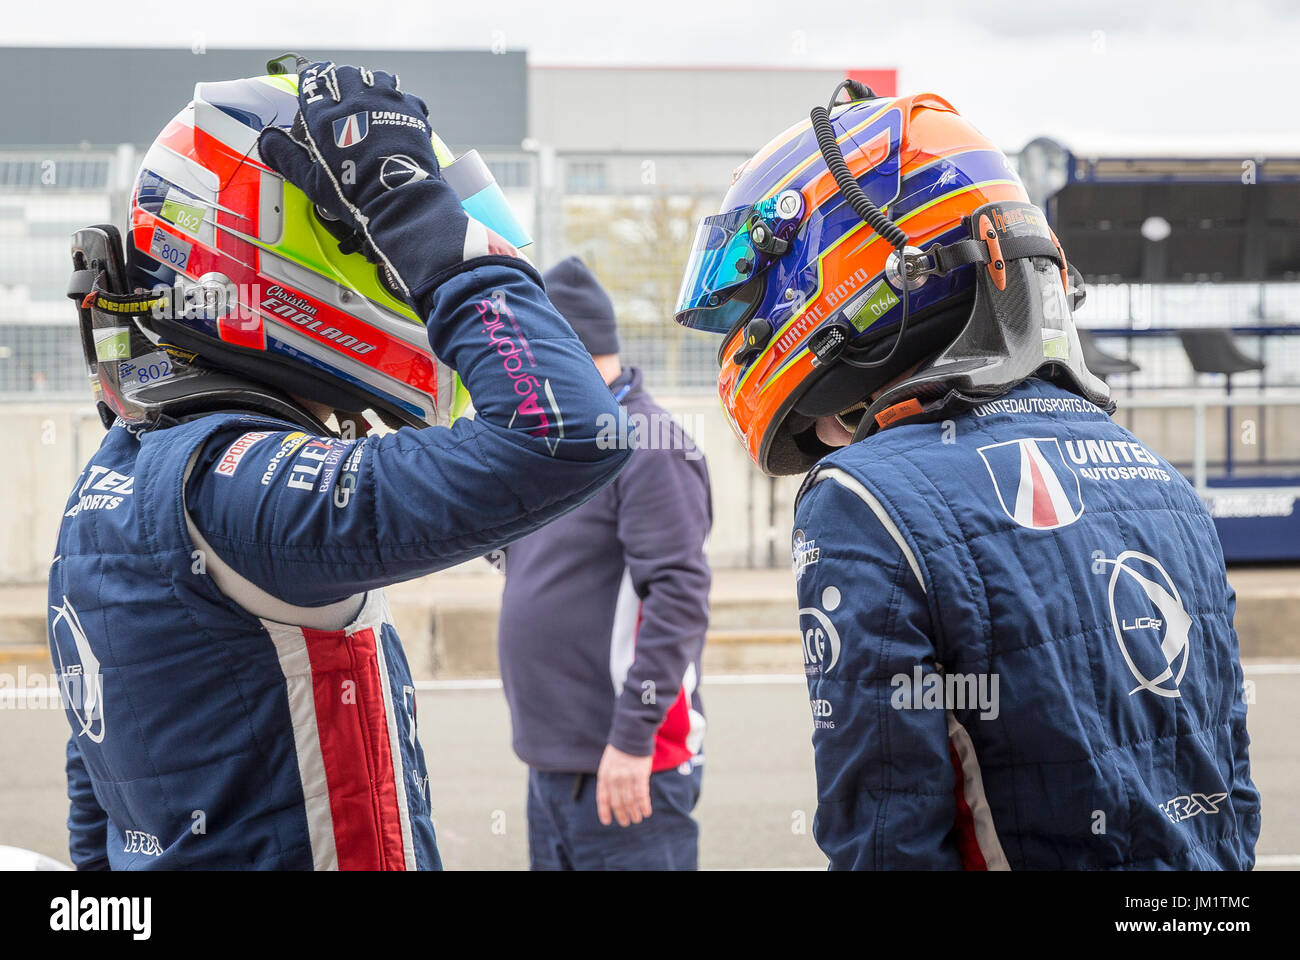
[(602, 627)]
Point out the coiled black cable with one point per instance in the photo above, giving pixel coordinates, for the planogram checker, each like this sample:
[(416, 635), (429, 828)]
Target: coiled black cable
[(857, 91), (849, 187), (871, 214)]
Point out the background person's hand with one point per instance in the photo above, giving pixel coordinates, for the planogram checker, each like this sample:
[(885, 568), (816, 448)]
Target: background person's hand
[(623, 787)]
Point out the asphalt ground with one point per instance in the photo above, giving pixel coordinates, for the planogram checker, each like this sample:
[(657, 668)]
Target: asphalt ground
[(758, 797)]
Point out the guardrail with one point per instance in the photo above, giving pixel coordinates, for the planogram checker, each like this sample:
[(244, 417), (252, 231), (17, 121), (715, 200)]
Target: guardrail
[(1199, 403)]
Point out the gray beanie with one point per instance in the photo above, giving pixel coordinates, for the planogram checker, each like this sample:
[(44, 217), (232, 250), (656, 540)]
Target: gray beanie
[(582, 301)]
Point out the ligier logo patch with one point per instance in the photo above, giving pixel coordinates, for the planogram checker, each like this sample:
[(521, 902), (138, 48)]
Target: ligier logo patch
[(399, 170), (351, 130), (80, 680), (1152, 626), (235, 452), (1034, 484)]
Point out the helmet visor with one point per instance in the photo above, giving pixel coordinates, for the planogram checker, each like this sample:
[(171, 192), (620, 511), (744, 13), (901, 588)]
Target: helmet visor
[(723, 260)]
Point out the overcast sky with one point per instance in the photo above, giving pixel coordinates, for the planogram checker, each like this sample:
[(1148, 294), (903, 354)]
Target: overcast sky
[(1098, 71)]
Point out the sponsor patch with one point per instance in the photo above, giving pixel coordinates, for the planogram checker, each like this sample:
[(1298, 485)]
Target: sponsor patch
[(80, 681), (399, 170), (235, 453), (820, 639), (1191, 804), (104, 489), (348, 476), (288, 446), (314, 457), (1046, 405), (390, 118), (1034, 485), (350, 131), (137, 841), (512, 346), (1115, 460), (804, 554), (1151, 625)]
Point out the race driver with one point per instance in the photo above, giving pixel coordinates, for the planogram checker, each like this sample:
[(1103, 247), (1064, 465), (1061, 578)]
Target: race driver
[(1016, 625), (237, 693)]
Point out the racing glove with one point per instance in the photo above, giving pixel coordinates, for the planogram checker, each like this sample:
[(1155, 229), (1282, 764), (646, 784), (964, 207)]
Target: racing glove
[(360, 149)]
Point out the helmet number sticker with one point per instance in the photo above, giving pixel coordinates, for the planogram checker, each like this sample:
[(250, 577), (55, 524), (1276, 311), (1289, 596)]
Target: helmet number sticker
[(112, 343), (187, 216), (167, 249)]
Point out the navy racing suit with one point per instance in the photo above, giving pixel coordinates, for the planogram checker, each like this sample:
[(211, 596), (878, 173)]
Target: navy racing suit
[(237, 693), (1019, 645)]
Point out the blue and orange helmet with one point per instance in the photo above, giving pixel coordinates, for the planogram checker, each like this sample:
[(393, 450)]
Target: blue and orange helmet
[(789, 262)]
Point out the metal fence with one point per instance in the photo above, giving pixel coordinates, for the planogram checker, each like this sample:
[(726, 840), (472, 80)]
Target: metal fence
[(44, 196)]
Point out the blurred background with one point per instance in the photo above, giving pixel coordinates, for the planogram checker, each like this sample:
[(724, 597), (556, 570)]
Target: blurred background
[(1161, 139)]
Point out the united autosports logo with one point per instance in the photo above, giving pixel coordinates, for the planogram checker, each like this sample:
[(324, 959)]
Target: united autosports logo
[(350, 131), (1035, 485)]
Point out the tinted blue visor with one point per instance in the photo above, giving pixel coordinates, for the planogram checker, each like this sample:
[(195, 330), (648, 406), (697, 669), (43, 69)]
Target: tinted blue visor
[(723, 260)]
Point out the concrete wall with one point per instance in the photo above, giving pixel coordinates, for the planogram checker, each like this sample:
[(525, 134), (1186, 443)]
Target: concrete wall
[(48, 444), (51, 442)]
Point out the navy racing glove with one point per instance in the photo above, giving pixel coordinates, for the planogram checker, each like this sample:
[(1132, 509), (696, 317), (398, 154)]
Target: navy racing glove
[(360, 149)]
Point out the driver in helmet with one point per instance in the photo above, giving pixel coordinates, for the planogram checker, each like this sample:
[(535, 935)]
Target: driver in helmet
[(237, 693), (1016, 626)]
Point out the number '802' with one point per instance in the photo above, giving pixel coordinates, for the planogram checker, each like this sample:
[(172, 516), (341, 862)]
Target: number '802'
[(172, 254), (154, 371)]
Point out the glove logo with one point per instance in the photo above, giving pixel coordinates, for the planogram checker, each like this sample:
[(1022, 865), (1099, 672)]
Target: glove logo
[(80, 681), (399, 170), (1035, 486), (350, 131), (1150, 623)]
